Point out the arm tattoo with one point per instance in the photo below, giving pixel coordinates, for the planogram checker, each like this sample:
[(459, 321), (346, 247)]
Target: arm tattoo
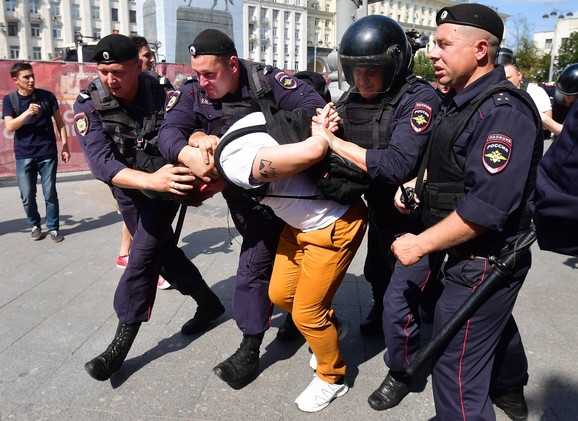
[(266, 170)]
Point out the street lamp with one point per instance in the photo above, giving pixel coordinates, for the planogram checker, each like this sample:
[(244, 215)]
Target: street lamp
[(554, 14)]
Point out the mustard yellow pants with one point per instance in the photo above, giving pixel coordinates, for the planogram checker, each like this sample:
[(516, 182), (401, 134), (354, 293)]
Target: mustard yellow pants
[(308, 269)]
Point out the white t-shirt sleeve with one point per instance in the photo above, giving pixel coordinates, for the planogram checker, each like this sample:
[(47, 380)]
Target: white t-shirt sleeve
[(540, 98), (238, 156)]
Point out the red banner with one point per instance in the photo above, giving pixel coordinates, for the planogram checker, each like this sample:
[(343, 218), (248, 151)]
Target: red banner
[(65, 80)]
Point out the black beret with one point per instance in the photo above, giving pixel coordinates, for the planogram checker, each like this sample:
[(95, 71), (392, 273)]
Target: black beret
[(212, 42), (115, 48), (473, 14)]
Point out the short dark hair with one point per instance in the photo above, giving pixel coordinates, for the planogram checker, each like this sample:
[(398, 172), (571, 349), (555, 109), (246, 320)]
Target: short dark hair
[(139, 41), (19, 67)]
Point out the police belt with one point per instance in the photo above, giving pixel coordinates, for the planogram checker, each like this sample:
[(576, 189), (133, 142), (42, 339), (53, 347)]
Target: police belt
[(463, 252)]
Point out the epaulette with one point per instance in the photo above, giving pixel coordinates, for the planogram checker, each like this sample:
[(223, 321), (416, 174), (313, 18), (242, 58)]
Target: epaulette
[(501, 98), (83, 97), (190, 79), (267, 69)]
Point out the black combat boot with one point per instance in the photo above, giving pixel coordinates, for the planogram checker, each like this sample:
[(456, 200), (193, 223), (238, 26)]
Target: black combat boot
[(288, 331), (209, 308), (512, 402), (391, 392), (371, 326), (243, 364), (102, 367)]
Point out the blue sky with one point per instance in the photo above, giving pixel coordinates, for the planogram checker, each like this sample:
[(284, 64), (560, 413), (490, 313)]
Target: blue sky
[(532, 11)]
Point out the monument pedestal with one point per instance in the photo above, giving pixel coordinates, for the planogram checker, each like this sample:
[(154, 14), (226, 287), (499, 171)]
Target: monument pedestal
[(191, 21)]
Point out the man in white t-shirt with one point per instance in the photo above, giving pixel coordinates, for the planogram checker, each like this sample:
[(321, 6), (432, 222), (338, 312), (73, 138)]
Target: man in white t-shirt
[(315, 248)]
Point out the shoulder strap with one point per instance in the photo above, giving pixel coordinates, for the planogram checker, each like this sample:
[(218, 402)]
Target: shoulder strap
[(15, 102), (257, 80), (102, 99)]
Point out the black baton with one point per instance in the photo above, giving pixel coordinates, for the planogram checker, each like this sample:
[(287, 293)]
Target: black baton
[(501, 270)]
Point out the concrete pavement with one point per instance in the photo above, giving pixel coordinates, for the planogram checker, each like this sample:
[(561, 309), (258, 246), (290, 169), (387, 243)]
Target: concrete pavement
[(56, 313)]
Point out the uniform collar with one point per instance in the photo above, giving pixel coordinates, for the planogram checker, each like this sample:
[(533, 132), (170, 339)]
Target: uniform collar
[(479, 85)]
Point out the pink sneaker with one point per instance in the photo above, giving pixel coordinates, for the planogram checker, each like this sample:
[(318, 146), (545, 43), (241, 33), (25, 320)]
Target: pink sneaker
[(162, 283), (122, 261)]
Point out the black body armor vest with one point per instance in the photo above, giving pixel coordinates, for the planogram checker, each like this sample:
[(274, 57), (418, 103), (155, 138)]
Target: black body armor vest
[(369, 124), (122, 128), (232, 112), (444, 188)]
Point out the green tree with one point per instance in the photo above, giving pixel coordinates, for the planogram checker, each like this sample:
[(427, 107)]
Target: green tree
[(533, 65), (423, 66), (567, 54)]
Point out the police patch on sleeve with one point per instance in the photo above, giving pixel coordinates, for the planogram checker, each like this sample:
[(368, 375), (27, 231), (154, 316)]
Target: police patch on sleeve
[(497, 151), (174, 98), (81, 123), (420, 117), (286, 81)]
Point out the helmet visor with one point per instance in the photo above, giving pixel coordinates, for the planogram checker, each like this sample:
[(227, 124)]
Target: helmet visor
[(371, 75)]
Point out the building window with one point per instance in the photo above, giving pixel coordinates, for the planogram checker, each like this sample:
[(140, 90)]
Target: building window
[(297, 17), (35, 30), (326, 39), (54, 8), (251, 12), (315, 6), (263, 33), (77, 29), (12, 29), (36, 53), (327, 8), (286, 33), (296, 50), (251, 46), (263, 14), (327, 23), (275, 14), (316, 21), (14, 52), (274, 31), (296, 33), (114, 14), (57, 32), (132, 16), (95, 12), (263, 48), (33, 6), (548, 44), (287, 16), (96, 33), (11, 5), (275, 48), (76, 10)]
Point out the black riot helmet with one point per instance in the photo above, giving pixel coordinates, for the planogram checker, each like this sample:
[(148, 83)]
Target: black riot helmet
[(374, 41), (505, 56), (567, 82)]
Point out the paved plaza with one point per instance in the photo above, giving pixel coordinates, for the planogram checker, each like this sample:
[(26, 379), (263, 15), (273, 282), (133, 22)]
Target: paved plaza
[(56, 313)]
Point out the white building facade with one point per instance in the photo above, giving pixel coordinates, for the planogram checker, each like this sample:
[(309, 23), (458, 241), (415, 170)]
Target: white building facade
[(40, 29)]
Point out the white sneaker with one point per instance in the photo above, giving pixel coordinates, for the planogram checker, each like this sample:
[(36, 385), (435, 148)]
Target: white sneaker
[(319, 394), (343, 327), (162, 283)]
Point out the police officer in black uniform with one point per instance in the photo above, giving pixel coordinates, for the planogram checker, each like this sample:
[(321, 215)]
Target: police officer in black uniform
[(556, 196), (386, 115), (480, 173), (224, 90), (121, 107)]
